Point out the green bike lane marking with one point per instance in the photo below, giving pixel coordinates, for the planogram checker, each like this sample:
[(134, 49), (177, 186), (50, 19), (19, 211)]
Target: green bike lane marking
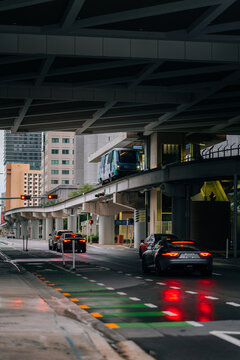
[(109, 306), (148, 324), (133, 314)]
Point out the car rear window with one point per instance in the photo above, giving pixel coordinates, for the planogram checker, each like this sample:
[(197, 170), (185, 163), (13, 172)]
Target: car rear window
[(63, 232), (165, 237), (180, 246)]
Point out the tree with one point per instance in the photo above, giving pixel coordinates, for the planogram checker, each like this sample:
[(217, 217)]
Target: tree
[(81, 190)]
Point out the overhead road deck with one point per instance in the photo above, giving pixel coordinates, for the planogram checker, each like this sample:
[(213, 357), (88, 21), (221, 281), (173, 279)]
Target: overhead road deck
[(154, 65), (211, 169)]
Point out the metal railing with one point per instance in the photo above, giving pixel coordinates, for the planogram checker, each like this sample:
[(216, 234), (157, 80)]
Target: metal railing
[(211, 153)]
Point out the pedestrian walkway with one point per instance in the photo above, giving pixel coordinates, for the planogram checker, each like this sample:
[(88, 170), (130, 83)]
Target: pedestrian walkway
[(38, 322)]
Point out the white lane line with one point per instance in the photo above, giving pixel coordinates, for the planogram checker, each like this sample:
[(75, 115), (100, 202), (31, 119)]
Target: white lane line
[(119, 272), (190, 292), (211, 298), (134, 298), (169, 313), (225, 335), (194, 323), (161, 283), (151, 305), (148, 280), (128, 274), (233, 304), (174, 287), (138, 277), (217, 274), (110, 288), (100, 284), (121, 293), (92, 280), (84, 277)]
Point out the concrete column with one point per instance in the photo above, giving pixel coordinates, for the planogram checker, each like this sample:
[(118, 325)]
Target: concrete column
[(18, 229), (59, 223), (72, 223), (139, 226), (106, 230), (24, 228), (34, 229), (49, 227), (179, 219), (44, 229)]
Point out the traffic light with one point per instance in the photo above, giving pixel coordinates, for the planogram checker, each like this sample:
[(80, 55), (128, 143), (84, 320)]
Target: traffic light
[(25, 197), (90, 222), (52, 196)]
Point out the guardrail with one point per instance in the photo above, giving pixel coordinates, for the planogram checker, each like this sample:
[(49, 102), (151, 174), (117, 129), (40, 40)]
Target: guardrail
[(211, 153)]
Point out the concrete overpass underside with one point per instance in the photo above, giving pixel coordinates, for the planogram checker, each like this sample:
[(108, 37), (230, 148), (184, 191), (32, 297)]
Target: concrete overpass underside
[(95, 66)]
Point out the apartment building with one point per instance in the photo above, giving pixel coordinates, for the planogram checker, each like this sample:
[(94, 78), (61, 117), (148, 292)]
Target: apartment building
[(58, 155), (20, 180)]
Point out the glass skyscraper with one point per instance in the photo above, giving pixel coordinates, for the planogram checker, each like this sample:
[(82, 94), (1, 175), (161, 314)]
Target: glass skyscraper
[(23, 148)]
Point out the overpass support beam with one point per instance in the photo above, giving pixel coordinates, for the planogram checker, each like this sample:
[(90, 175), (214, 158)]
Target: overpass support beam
[(139, 226), (58, 223), (49, 227), (34, 234), (24, 228), (18, 229), (106, 230), (72, 223)]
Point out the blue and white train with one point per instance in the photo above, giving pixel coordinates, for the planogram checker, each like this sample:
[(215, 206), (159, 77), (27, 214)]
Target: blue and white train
[(117, 163)]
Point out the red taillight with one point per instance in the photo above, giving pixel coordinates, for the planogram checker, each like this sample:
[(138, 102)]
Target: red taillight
[(82, 240), (66, 241), (205, 254), (182, 242), (171, 254), (57, 237)]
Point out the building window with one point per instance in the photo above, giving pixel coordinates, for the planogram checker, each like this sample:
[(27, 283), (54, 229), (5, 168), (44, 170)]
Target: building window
[(65, 152), (65, 171), (65, 182), (73, 172), (54, 171), (54, 181), (54, 162), (66, 140), (54, 151), (73, 152), (55, 140), (73, 162), (65, 162)]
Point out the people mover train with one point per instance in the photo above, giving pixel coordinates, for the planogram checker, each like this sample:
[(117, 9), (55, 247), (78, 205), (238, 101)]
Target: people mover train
[(117, 163)]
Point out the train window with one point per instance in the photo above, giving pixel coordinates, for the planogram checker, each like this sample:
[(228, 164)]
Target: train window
[(127, 156)]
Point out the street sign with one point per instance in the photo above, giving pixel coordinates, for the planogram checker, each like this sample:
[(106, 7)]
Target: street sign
[(124, 222)]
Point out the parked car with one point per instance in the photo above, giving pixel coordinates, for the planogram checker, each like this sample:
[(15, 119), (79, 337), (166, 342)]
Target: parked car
[(52, 241), (176, 254), (11, 235), (153, 239), (66, 240)]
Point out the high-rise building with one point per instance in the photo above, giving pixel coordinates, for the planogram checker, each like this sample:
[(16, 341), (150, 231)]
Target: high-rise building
[(57, 159), (23, 149), (20, 180)]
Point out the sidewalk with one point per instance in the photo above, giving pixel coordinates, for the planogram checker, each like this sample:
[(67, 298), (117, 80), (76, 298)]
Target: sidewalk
[(38, 322)]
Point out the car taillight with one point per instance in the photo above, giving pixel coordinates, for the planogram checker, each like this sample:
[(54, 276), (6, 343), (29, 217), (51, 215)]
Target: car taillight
[(82, 240), (57, 237), (205, 254), (172, 254), (66, 241)]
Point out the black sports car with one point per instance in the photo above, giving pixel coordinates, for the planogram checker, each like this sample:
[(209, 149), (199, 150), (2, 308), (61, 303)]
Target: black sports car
[(177, 254)]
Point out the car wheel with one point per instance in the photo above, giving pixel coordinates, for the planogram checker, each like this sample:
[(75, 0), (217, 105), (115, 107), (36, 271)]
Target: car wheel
[(158, 269), (140, 253), (83, 250), (50, 246), (145, 269)]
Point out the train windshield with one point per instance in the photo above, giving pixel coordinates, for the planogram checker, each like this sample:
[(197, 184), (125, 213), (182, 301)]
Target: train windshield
[(128, 156)]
